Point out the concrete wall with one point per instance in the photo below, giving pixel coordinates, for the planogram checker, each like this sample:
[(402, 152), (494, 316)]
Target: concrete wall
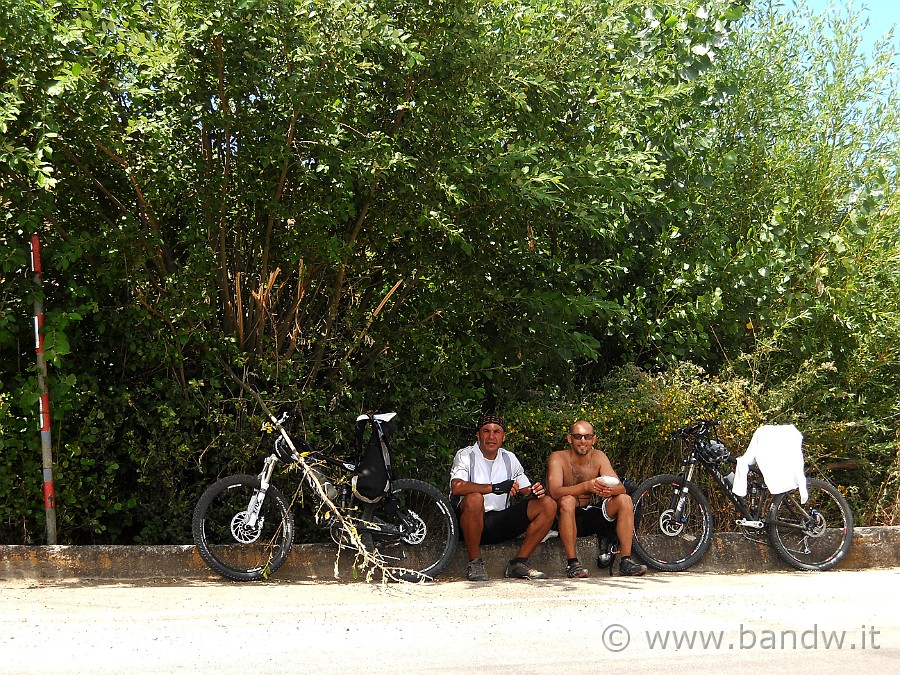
[(872, 547)]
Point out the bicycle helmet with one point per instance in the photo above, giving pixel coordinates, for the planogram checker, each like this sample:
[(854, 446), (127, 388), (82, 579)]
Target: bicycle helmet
[(712, 450)]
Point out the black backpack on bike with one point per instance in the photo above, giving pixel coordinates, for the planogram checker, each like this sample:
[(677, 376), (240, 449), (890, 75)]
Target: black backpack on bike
[(372, 478)]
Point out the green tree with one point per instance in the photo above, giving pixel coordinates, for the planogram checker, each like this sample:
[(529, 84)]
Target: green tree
[(434, 206)]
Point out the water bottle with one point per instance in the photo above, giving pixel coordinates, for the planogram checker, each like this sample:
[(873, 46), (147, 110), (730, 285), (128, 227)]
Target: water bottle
[(729, 479)]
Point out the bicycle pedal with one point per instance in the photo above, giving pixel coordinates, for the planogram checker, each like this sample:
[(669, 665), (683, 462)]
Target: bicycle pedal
[(755, 524)]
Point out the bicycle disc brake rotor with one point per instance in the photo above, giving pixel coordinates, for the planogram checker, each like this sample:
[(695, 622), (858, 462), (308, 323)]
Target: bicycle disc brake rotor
[(816, 525), (669, 526), (415, 528), (243, 532)]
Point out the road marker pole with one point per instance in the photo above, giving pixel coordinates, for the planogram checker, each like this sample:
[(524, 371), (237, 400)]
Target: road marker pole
[(44, 401)]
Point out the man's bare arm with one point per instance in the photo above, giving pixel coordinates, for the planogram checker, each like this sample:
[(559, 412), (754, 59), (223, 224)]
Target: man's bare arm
[(459, 487), (606, 470)]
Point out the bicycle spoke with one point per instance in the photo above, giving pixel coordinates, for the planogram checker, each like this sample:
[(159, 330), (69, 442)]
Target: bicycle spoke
[(662, 538), (814, 535), (226, 539), (418, 532)]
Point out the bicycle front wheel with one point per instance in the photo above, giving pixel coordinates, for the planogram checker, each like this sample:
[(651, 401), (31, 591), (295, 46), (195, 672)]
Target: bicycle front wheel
[(663, 540), (421, 534), (231, 540), (815, 535)]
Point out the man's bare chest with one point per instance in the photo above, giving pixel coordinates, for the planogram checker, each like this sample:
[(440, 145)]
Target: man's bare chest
[(579, 472)]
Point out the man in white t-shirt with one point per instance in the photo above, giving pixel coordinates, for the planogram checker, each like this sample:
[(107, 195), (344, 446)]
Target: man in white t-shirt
[(484, 477)]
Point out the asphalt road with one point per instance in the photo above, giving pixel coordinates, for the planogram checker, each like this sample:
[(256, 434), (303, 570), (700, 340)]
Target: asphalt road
[(803, 622)]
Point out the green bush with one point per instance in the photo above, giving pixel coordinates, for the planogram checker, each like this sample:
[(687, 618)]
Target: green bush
[(634, 413)]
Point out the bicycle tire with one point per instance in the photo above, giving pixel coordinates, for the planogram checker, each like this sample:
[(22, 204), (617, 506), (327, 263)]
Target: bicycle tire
[(235, 552), (812, 536), (434, 541), (662, 544)]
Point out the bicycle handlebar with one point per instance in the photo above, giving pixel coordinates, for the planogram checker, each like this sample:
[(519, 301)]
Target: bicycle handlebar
[(310, 452), (696, 428)]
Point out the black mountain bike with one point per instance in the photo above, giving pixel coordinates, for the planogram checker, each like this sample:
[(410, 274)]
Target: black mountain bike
[(673, 523), (243, 527)]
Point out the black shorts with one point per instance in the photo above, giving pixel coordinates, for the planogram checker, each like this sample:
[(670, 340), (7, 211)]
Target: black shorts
[(591, 520), (506, 524)]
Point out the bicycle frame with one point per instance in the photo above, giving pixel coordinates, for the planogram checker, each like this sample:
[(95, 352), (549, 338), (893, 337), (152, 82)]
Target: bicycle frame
[(757, 490), (345, 500)]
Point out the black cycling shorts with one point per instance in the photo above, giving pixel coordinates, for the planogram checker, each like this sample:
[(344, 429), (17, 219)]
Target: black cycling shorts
[(506, 524), (590, 520)]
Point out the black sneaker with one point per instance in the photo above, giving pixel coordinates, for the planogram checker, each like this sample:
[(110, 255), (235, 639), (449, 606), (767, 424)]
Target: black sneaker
[(475, 571), (629, 568), (522, 570), (575, 570)]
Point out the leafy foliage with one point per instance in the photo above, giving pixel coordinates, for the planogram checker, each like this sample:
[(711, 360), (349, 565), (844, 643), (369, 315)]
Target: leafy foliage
[(437, 207)]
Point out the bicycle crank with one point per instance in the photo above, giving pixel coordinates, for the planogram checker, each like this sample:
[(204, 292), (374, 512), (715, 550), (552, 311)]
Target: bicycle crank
[(755, 524)]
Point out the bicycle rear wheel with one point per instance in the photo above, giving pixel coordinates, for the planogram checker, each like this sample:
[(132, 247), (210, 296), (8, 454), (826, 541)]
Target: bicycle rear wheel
[(815, 535), (228, 544), (659, 540), (421, 532)]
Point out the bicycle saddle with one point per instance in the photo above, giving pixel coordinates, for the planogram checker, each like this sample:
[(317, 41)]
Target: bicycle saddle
[(381, 417)]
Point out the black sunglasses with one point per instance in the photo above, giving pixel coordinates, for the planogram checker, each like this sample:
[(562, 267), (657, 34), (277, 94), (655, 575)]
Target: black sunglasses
[(578, 437)]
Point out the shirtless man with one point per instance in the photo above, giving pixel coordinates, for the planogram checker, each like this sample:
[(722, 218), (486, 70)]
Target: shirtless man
[(574, 476)]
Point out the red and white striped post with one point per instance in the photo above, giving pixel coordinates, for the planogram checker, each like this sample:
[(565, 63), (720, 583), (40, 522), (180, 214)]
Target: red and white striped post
[(44, 409)]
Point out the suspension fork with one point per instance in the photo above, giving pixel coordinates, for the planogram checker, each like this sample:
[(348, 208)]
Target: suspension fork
[(256, 501), (679, 497)]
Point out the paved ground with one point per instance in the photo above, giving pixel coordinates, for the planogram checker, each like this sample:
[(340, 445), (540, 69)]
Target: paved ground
[(804, 622)]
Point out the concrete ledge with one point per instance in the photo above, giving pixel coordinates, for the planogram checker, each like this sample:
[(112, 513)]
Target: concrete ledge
[(872, 547)]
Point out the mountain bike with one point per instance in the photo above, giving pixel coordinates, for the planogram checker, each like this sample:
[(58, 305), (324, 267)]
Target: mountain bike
[(673, 522), (243, 525)]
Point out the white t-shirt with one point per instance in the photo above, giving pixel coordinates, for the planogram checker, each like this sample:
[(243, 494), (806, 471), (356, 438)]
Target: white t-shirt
[(470, 465)]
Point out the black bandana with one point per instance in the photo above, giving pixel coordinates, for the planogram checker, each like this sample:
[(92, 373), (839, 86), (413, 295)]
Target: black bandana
[(491, 419)]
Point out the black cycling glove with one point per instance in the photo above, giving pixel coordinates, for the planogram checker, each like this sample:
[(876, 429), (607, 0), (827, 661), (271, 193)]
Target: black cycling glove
[(502, 488)]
